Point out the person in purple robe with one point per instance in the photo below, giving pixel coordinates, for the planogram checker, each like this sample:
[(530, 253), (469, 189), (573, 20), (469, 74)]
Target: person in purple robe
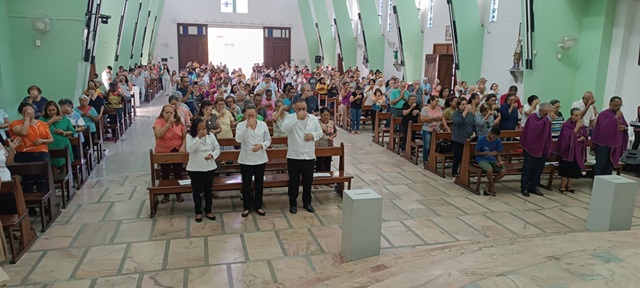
[(610, 138), (572, 149), (536, 147)]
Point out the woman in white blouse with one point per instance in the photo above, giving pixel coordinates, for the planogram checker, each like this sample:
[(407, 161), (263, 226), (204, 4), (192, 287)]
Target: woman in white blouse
[(254, 138), (203, 149)]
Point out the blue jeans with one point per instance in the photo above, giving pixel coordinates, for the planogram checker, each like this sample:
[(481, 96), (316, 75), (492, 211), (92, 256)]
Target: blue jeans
[(532, 169), (355, 119), (426, 145)]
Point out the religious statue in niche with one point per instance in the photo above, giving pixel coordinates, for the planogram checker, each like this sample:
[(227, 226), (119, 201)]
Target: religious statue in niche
[(447, 33), (517, 55)]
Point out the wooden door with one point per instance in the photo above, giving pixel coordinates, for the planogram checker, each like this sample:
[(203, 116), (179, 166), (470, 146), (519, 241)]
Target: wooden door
[(340, 64), (193, 43), (277, 46), (442, 48), (439, 66)]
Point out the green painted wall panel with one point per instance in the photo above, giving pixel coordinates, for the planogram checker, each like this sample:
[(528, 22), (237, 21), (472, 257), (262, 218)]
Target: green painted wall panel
[(9, 97), (56, 66), (470, 39), (324, 25), (155, 30), (412, 39), (373, 33), (127, 34), (107, 34), (345, 29), (144, 15), (583, 67), (152, 23), (309, 29)]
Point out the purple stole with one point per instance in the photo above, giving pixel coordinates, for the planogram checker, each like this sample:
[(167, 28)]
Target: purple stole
[(568, 146), (536, 136), (606, 134)]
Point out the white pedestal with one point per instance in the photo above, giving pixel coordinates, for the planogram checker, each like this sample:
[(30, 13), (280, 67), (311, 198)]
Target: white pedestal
[(136, 96), (361, 224), (612, 203)]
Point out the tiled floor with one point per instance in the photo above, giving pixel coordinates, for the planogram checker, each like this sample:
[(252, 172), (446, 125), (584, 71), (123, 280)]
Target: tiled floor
[(105, 238)]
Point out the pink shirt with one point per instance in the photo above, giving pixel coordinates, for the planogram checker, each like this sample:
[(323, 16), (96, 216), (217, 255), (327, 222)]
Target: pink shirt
[(269, 106), (430, 126)]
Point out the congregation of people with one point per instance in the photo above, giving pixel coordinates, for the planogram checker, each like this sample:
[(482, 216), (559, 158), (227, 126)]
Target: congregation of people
[(206, 103)]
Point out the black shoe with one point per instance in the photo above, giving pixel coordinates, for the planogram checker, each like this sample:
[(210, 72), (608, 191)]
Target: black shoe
[(212, 218), (261, 213), (199, 219), (525, 194), (293, 210), (309, 208), (537, 192), (245, 215)]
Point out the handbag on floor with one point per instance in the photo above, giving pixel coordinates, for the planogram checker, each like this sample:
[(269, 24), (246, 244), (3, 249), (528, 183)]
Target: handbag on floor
[(444, 146)]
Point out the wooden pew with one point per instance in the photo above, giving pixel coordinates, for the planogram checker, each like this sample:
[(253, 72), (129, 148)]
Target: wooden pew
[(39, 198), (18, 221), (232, 142), (394, 136), (363, 119), (97, 139), (64, 180), (114, 127), (379, 131), (88, 151), (512, 149), (79, 164), (234, 182), (413, 146), (434, 156)]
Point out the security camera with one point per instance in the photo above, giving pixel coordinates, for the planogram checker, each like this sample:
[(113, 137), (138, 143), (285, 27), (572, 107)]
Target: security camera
[(104, 19)]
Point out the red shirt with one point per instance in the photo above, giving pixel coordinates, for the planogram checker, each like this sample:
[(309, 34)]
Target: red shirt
[(503, 99)]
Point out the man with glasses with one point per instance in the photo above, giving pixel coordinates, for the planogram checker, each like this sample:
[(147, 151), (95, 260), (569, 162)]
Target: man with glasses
[(307, 95), (302, 129)]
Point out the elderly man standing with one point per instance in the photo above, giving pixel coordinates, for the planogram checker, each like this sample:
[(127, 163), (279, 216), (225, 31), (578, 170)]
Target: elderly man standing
[(417, 90), (586, 105), (302, 130), (306, 94), (266, 84), (610, 137), (536, 147)]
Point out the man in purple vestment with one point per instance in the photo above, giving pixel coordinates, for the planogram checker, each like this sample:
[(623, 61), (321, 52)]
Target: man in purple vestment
[(536, 147), (610, 138)]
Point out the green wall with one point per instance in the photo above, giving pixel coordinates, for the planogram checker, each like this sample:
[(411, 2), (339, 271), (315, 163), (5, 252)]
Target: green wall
[(108, 33), (151, 23), (583, 67), (412, 38), (470, 38), (372, 31), (155, 31), (324, 25), (144, 15), (345, 28), (56, 66), (127, 34), (9, 97), (309, 29)]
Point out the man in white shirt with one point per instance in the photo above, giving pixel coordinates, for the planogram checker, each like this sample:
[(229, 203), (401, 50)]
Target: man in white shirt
[(106, 76), (303, 130), (586, 105), (266, 84), (140, 79)]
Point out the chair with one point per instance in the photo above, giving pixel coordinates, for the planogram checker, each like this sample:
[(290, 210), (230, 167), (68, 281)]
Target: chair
[(39, 198), (16, 222), (96, 139), (88, 151), (79, 164), (64, 180), (113, 126)]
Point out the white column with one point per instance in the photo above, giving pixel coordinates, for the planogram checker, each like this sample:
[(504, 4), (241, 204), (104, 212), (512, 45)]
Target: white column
[(361, 224), (612, 203)]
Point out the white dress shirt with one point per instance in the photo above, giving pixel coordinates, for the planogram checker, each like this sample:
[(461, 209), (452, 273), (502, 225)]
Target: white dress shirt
[(248, 137), (199, 149), (296, 129)]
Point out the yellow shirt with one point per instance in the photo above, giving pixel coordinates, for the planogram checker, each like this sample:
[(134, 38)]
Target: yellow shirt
[(225, 119)]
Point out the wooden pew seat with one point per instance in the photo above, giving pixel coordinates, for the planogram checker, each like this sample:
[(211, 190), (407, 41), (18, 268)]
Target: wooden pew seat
[(17, 222)]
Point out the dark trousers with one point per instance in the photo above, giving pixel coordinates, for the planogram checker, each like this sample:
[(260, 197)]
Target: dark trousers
[(603, 164), (296, 168), (636, 140), (202, 183), (531, 172), (176, 168), (323, 164), (28, 181), (458, 149), (250, 172)]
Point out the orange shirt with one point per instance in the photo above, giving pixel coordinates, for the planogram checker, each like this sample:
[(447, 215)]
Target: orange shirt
[(38, 131), (172, 139)]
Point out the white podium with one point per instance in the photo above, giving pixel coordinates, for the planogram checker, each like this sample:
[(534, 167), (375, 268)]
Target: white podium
[(361, 224), (612, 203)]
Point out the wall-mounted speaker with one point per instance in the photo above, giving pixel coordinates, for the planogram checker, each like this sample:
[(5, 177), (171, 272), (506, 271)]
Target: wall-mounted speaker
[(318, 59)]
